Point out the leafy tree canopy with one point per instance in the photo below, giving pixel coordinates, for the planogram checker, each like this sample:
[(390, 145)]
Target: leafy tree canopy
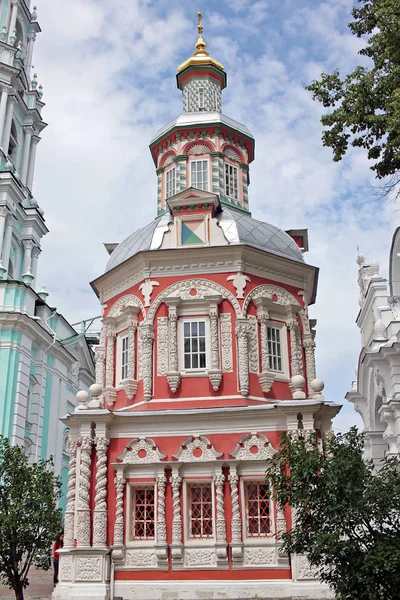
[(347, 513), (29, 517), (366, 102)]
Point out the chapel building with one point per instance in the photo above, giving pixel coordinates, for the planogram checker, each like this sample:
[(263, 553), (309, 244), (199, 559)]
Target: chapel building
[(206, 356)]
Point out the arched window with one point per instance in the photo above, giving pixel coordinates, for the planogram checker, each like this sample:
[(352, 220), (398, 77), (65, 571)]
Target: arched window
[(13, 144)]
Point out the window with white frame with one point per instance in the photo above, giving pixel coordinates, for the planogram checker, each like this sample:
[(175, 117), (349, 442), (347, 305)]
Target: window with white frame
[(257, 505), (143, 513), (231, 181), (274, 348), (199, 174), (170, 182), (194, 344), (200, 510), (201, 98), (124, 357)]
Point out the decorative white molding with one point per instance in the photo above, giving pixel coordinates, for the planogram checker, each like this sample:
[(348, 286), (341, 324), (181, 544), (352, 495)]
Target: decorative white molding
[(162, 346), (260, 556), (88, 568), (161, 551), (226, 342), (147, 338), (242, 334), (236, 522), (219, 480), (239, 282), (65, 567), (295, 348), (141, 558), (183, 289), (197, 448), (200, 557), (69, 519), (253, 446), (83, 514), (173, 375), (100, 510), (303, 568), (123, 302), (309, 351), (176, 546), (283, 297), (149, 452), (100, 355), (119, 482), (147, 289), (215, 373), (253, 344)]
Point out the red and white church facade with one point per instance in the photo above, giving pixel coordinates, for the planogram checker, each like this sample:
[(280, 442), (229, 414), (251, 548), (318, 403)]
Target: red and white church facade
[(206, 355)]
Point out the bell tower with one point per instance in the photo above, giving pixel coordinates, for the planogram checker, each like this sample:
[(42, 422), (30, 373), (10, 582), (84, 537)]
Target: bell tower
[(21, 220)]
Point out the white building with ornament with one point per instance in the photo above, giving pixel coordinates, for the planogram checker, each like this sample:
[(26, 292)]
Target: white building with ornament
[(43, 359), (206, 356)]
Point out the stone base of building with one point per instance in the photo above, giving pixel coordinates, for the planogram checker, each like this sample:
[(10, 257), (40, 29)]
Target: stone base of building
[(81, 591), (213, 590)]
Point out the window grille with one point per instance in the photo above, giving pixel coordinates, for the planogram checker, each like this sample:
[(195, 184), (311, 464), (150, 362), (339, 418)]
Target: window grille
[(194, 343), (170, 182), (231, 181), (200, 510), (257, 509), (274, 348), (143, 516), (199, 174), (124, 358)]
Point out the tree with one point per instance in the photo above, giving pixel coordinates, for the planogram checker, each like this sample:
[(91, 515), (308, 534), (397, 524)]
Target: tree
[(347, 513), (29, 517), (366, 102)]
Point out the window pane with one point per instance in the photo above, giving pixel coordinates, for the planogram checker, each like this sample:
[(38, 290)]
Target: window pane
[(195, 361), (187, 361), (274, 348), (202, 361), (186, 329), (194, 329)]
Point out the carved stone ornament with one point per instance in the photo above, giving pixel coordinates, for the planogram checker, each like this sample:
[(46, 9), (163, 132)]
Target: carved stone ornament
[(242, 334), (277, 294), (123, 302), (253, 345), (226, 342), (88, 568), (141, 557), (258, 556), (65, 568), (141, 451), (253, 446), (184, 291), (304, 569), (239, 282), (147, 289), (197, 448), (162, 346), (266, 379), (200, 557)]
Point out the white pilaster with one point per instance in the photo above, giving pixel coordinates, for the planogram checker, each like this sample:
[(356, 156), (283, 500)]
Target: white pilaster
[(3, 215), (28, 247), (176, 546), (219, 480), (100, 509), (27, 148), (5, 255), (32, 158), (215, 373), (173, 375), (7, 125), (69, 520), (29, 54), (242, 333), (161, 547), (236, 523), (147, 339), (118, 552), (13, 19), (83, 513), (309, 351), (3, 107), (35, 258), (110, 393)]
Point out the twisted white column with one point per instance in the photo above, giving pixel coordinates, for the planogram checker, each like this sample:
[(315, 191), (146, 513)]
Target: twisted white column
[(309, 351), (83, 535), (161, 524), (147, 338), (263, 320), (110, 359), (295, 351), (236, 523), (219, 480), (100, 498), (176, 481), (242, 333), (131, 350), (69, 519), (119, 511)]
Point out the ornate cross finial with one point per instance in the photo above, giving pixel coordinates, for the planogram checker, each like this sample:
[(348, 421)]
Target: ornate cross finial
[(199, 23)]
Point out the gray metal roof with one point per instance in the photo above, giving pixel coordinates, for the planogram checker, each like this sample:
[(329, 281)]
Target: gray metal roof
[(201, 118), (238, 228)]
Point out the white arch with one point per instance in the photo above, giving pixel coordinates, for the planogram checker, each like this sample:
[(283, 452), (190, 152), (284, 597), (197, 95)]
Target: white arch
[(284, 298), (128, 300)]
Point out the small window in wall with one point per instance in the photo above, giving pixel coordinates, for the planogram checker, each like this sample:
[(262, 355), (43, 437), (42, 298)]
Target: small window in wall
[(201, 98), (274, 348), (194, 345), (124, 357), (170, 182), (13, 144), (143, 513), (231, 181), (258, 523), (199, 174), (200, 510)]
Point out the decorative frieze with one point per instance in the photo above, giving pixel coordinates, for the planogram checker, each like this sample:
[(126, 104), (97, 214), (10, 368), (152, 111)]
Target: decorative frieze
[(100, 510), (162, 346), (253, 446), (200, 557), (242, 334), (226, 342), (259, 556), (147, 338), (69, 520), (88, 568), (141, 450), (83, 514), (197, 448), (141, 558)]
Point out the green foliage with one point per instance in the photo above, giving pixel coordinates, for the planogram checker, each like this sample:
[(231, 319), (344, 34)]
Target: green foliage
[(29, 517), (347, 513), (366, 102)]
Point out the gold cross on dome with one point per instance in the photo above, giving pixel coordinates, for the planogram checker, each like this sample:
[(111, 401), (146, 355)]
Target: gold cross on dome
[(199, 23)]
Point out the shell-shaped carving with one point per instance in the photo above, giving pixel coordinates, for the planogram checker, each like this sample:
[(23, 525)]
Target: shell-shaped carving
[(278, 294), (253, 446), (141, 451), (128, 300), (197, 448)]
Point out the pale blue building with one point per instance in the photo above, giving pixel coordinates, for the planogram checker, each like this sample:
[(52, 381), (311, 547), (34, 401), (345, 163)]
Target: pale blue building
[(43, 359)]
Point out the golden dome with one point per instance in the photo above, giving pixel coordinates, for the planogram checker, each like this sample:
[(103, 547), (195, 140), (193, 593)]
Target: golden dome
[(200, 56)]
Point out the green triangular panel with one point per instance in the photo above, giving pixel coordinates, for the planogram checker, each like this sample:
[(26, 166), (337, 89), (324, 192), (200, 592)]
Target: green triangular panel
[(188, 237)]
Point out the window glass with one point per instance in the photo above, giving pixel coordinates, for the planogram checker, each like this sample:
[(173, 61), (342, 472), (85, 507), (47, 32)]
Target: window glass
[(231, 181), (257, 509), (143, 516), (199, 174), (124, 358), (200, 510), (170, 182), (274, 348), (194, 345)]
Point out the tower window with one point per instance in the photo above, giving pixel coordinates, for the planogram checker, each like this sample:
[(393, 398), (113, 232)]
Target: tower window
[(200, 510), (13, 144), (274, 348), (201, 98), (143, 513), (258, 523), (124, 357), (199, 174), (231, 181), (170, 183), (194, 345)]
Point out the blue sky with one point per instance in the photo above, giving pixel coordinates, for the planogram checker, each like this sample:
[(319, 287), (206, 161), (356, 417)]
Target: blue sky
[(108, 72)]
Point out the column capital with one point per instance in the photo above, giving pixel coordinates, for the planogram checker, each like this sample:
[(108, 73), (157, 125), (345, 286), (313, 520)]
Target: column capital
[(36, 251), (4, 87), (28, 244), (31, 37), (14, 2), (35, 139), (3, 211), (12, 99), (10, 219), (29, 129)]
